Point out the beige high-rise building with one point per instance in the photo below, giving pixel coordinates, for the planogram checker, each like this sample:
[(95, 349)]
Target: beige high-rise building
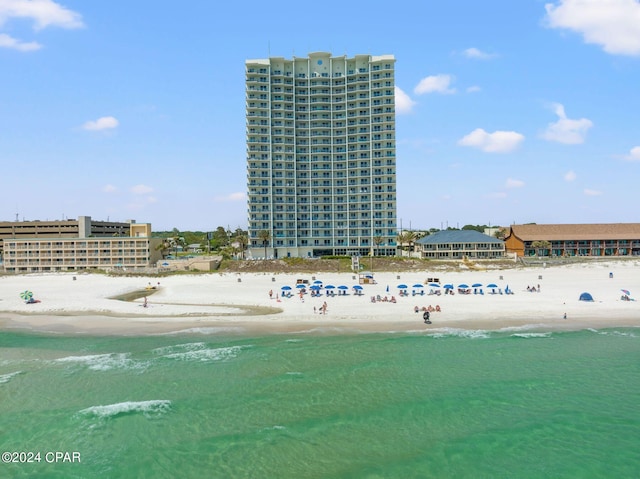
[(321, 155)]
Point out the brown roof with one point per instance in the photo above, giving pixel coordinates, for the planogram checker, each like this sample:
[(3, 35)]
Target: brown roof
[(577, 232)]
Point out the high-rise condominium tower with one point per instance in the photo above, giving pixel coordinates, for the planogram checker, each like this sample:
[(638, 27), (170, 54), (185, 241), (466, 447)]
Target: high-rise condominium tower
[(321, 155)]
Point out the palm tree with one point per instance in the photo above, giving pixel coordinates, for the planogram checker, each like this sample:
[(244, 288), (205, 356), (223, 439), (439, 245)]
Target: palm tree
[(410, 238), (265, 237), (541, 247), (377, 241), (242, 241), (401, 239), (163, 247)]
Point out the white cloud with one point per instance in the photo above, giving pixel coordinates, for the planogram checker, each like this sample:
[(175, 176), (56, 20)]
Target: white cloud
[(473, 89), (141, 189), (566, 130), (497, 195), (435, 84), (513, 183), (612, 24), (109, 189), (477, 54), (9, 42), (634, 154), (104, 123), (589, 192), (404, 104), (496, 142), (43, 13), (570, 176), (237, 196)]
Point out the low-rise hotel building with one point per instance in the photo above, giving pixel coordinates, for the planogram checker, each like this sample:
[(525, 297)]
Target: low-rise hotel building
[(566, 240), (48, 253), (460, 244)]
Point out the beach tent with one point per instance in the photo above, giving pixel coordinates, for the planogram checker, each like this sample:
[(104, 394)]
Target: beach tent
[(586, 297)]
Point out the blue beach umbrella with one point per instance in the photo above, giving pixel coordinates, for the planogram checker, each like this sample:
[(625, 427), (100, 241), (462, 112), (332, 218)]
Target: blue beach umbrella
[(329, 286), (343, 287), (317, 282), (463, 286), (357, 286), (417, 285), (492, 285), (315, 287), (434, 285), (286, 288), (301, 286), (448, 286), (476, 285), (402, 286)]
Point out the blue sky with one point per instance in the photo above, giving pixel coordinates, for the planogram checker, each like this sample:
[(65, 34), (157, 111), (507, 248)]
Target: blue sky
[(507, 111)]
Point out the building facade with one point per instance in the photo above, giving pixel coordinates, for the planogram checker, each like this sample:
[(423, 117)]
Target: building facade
[(136, 251), (321, 155), (566, 240), (460, 244), (69, 228)]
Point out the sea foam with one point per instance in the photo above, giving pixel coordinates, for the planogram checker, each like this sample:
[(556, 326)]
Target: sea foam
[(462, 333), (5, 378), (531, 335), (153, 407), (198, 352), (104, 362)]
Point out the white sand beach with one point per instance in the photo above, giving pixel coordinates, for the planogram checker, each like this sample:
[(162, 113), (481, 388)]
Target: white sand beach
[(216, 302)]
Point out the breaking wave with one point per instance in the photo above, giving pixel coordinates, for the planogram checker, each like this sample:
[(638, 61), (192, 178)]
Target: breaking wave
[(5, 378), (198, 352), (104, 362), (148, 408)]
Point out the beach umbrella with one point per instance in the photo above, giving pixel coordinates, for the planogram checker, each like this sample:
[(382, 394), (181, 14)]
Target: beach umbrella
[(357, 286), (301, 286), (317, 282), (492, 285), (402, 286), (417, 285), (329, 286), (476, 285), (343, 287), (26, 295), (463, 286), (165, 264), (448, 286), (285, 288), (626, 291), (315, 287), (434, 285)]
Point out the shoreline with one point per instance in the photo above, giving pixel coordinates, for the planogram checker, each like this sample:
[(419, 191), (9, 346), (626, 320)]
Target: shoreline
[(251, 303), (98, 325)]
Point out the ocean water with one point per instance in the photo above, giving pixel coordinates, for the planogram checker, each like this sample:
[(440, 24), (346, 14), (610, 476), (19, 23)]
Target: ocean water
[(454, 404)]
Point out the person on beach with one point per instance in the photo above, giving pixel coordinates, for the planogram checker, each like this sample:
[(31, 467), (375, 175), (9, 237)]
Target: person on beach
[(144, 305), (270, 294)]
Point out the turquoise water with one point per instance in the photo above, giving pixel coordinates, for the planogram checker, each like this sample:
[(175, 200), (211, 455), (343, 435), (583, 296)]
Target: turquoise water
[(450, 405)]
